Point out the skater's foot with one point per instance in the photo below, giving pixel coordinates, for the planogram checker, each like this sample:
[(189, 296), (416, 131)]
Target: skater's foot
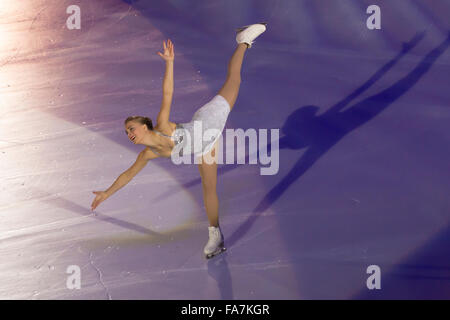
[(249, 33), (216, 253), (215, 243)]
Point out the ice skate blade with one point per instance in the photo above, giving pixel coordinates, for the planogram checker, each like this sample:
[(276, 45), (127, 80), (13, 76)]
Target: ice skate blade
[(216, 253), (245, 27)]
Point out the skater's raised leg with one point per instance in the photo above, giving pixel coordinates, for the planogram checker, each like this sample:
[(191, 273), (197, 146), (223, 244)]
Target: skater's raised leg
[(245, 39), (230, 89)]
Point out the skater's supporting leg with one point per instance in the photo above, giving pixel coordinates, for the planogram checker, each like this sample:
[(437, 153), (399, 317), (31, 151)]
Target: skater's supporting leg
[(230, 89), (208, 173)]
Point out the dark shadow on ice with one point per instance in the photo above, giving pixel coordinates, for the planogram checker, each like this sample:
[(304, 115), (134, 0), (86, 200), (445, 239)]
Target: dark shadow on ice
[(219, 271), (319, 133)]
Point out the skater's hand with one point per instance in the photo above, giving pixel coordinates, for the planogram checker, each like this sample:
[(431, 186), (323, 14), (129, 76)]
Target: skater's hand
[(168, 51), (101, 196)]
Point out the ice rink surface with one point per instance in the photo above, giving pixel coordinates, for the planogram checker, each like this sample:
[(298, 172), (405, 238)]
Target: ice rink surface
[(364, 156)]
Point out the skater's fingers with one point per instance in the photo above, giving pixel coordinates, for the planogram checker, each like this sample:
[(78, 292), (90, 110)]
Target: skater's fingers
[(164, 45), (95, 203)]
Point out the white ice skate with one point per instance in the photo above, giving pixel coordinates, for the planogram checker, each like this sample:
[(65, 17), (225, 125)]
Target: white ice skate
[(215, 243), (249, 33)]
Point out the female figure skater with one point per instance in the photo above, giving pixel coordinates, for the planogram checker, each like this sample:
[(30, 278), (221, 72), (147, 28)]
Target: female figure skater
[(162, 139)]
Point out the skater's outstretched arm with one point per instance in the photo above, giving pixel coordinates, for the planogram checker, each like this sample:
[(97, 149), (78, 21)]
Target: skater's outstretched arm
[(141, 161), (168, 56)]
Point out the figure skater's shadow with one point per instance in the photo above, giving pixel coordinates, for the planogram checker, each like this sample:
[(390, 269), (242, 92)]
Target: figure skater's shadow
[(219, 271), (319, 133)]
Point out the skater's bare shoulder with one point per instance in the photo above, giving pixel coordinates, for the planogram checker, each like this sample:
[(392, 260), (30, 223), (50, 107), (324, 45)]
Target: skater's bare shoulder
[(166, 127)]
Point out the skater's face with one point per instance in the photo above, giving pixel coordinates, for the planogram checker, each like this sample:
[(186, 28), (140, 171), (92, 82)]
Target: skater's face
[(135, 131)]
